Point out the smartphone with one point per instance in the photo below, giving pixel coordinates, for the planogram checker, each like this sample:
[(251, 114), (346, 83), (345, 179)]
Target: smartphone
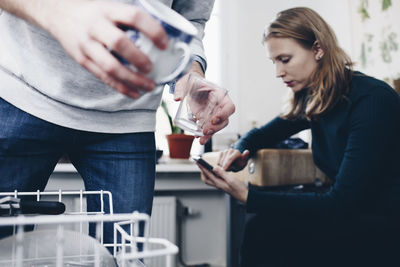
[(203, 163)]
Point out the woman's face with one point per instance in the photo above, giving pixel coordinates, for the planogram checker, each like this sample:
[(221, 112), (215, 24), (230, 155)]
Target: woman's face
[(294, 63)]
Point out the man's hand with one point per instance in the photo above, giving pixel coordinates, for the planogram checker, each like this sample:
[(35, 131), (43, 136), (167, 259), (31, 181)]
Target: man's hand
[(220, 120), (88, 31), (225, 109), (180, 86)]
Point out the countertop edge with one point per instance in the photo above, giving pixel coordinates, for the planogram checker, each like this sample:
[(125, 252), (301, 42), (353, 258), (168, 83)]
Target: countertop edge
[(187, 167)]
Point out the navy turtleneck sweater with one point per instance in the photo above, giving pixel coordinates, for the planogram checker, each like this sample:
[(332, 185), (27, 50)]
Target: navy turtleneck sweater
[(357, 144)]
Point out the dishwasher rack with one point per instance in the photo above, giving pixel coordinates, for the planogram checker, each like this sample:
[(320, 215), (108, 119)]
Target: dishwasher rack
[(127, 250)]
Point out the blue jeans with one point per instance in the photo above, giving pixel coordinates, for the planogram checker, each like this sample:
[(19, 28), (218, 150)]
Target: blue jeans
[(121, 163)]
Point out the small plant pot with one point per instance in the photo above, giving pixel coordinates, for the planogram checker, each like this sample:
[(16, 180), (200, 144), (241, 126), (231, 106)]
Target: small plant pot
[(179, 145)]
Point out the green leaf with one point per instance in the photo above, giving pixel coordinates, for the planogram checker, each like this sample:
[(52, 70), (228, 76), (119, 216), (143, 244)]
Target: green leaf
[(386, 4), (363, 55), (363, 10), (393, 45), (385, 52), (174, 128)]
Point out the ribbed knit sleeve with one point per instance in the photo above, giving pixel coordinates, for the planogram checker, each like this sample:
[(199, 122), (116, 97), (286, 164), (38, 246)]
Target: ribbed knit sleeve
[(270, 134)]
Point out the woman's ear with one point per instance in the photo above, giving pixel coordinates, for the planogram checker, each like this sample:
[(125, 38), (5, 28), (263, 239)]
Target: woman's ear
[(318, 52)]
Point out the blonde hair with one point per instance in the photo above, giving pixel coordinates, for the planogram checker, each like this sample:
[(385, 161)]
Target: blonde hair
[(330, 81)]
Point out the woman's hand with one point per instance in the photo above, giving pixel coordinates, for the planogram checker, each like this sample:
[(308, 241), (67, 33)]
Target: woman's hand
[(88, 31), (222, 180), (232, 160)]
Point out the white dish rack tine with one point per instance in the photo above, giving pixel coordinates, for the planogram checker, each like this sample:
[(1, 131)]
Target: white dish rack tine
[(127, 248)]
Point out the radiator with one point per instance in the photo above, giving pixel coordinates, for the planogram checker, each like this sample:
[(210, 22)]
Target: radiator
[(163, 224)]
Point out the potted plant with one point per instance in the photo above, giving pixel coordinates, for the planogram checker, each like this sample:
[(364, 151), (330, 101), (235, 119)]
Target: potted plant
[(179, 143)]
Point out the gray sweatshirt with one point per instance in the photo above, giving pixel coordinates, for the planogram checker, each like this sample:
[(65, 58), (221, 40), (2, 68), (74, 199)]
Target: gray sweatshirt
[(37, 76)]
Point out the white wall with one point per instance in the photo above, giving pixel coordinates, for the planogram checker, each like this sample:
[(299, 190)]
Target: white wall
[(245, 68)]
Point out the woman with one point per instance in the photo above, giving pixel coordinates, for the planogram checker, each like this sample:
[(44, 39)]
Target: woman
[(355, 125)]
